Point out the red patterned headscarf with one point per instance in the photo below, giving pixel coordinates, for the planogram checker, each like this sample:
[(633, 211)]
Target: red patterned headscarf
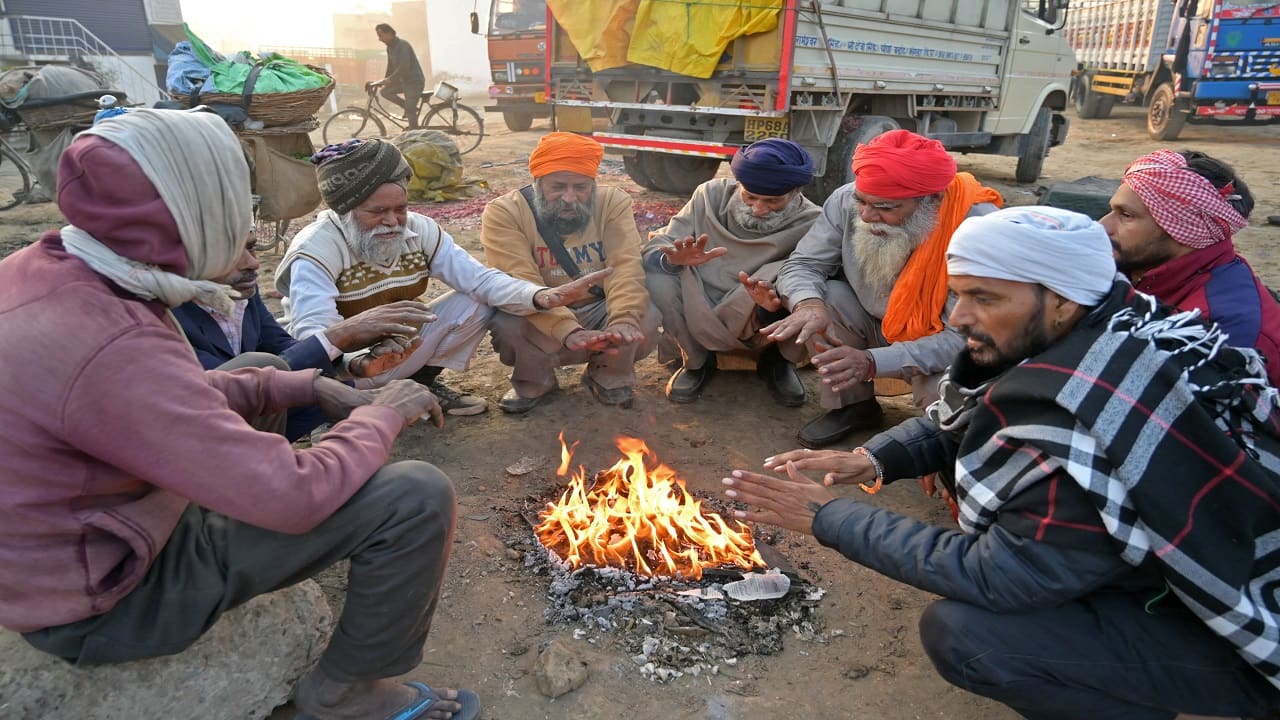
[(1183, 202), (901, 164)]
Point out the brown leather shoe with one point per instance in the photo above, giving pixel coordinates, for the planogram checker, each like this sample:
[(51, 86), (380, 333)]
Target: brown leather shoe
[(617, 397)]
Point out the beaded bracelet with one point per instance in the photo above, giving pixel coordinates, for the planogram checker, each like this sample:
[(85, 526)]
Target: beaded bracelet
[(875, 465)]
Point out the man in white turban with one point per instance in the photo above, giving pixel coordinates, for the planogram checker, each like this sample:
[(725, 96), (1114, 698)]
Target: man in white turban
[(1117, 469), (137, 504)]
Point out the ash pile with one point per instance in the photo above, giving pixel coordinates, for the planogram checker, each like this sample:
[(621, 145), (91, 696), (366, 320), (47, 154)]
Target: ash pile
[(671, 627)]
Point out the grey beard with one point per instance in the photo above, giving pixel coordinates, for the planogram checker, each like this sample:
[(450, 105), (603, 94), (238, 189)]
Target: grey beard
[(882, 257), (548, 213), (742, 214), (367, 247)]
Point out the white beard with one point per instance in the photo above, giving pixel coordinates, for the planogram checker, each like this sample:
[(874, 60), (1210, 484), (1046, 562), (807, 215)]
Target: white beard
[(881, 258), (380, 246), (746, 219)]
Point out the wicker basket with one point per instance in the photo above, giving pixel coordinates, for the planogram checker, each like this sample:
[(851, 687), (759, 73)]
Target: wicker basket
[(274, 109), (69, 110)]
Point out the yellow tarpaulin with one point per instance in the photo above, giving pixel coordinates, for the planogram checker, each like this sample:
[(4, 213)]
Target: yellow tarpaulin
[(687, 37), (437, 167)]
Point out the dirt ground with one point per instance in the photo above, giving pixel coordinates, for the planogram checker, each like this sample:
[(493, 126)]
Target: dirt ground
[(491, 623)]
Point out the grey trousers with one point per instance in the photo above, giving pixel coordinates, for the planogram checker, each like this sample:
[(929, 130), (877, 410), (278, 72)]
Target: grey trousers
[(855, 327), (1102, 657), (534, 355), (666, 292), (397, 530)]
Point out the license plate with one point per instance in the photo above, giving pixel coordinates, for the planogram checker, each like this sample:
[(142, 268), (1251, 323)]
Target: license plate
[(540, 96), (1273, 98), (759, 128)]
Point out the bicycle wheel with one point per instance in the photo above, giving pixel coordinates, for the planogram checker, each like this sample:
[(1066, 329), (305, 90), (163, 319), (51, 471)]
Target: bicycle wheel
[(15, 181), (351, 122), (458, 122)]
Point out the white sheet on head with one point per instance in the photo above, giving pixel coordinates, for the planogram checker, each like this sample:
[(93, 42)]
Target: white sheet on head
[(1065, 251), (198, 169)]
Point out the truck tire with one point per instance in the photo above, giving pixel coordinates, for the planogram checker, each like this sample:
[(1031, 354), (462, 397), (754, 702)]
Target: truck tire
[(1164, 118), (517, 121), (635, 165), (1032, 159), (682, 174), (1089, 104), (840, 155)]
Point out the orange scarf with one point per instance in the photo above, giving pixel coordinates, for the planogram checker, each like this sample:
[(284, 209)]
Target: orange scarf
[(920, 293)]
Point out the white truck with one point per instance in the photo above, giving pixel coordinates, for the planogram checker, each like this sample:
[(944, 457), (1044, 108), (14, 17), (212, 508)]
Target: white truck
[(1197, 61), (981, 76)]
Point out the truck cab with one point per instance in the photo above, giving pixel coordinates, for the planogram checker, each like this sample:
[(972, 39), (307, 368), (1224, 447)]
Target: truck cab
[(517, 53)]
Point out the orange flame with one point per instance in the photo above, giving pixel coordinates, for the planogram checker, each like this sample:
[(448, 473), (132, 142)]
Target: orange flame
[(640, 517)]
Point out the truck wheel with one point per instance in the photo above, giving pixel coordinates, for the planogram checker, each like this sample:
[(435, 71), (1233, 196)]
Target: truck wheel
[(682, 174), (1032, 159), (1091, 104), (1164, 118), (517, 121), (840, 155), (635, 165)]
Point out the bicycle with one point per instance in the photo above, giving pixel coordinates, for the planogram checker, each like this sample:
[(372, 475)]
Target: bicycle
[(15, 183), (439, 109)]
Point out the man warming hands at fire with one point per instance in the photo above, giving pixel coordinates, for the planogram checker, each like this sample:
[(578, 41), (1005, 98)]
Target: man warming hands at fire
[(1116, 468)]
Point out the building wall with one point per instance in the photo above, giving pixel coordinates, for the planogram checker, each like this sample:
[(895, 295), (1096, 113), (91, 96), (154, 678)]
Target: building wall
[(121, 24)]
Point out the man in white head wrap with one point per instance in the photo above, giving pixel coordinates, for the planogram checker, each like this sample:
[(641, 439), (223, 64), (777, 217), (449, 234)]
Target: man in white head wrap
[(136, 502), (1118, 479)]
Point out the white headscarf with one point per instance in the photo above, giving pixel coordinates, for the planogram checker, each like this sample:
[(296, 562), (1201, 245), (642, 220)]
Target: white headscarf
[(1064, 251), (197, 167)]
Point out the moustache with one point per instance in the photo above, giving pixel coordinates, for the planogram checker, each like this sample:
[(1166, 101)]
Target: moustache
[(971, 334)]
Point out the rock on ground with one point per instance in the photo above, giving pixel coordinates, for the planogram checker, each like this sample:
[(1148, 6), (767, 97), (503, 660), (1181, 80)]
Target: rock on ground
[(559, 670), (241, 669)]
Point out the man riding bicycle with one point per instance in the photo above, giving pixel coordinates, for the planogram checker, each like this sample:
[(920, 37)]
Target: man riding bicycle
[(404, 80)]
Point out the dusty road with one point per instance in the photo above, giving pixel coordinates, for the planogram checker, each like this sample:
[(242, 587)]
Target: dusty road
[(491, 622)]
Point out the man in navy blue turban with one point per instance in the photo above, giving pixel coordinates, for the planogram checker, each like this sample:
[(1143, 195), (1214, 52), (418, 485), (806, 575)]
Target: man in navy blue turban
[(707, 269)]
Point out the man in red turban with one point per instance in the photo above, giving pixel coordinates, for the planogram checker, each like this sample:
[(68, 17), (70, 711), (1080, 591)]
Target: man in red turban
[(867, 285), (1171, 223), (561, 227)]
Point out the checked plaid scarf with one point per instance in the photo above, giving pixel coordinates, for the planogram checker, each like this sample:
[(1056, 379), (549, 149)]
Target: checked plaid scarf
[(1172, 435)]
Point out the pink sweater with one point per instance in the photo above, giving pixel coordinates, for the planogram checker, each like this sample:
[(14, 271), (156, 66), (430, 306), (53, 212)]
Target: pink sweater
[(110, 428)]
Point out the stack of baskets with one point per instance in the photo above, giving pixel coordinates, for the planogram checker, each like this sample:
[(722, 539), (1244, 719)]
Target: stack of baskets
[(273, 109)]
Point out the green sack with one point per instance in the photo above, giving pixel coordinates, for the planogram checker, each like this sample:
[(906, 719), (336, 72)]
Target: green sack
[(279, 73)]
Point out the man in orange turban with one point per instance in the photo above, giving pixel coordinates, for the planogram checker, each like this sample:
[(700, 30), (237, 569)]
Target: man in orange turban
[(867, 285), (558, 228)]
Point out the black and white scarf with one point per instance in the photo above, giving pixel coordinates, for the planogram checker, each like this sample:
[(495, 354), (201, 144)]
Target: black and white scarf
[(1172, 434)]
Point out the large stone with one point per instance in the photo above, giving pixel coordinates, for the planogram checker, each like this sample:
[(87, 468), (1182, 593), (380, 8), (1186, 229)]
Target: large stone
[(245, 666), (559, 670)]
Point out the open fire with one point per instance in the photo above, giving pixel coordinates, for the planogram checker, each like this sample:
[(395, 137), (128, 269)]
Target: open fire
[(637, 515)]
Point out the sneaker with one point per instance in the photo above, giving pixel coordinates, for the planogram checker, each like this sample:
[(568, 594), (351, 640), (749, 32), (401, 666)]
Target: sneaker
[(453, 402)]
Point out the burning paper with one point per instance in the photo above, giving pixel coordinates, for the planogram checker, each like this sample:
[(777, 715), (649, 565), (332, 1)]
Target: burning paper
[(639, 516)]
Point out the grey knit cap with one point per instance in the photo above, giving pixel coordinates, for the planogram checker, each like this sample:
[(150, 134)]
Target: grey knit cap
[(349, 173)]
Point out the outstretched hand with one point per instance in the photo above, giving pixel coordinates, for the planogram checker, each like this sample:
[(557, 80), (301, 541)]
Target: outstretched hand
[(807, 320), (606, 341), (791, 502), (841, 467), (762, 292), (841, 367), (404, 317), (690, 252), (570, 292)]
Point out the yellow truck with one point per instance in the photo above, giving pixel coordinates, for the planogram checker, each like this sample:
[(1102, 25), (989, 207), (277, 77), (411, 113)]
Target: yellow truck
[(686, 84)]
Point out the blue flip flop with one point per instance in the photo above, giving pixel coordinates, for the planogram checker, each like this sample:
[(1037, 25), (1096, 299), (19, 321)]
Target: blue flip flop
[(469, 701)]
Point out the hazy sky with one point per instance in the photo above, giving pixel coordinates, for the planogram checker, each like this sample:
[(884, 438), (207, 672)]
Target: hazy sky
[(231, 25)]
